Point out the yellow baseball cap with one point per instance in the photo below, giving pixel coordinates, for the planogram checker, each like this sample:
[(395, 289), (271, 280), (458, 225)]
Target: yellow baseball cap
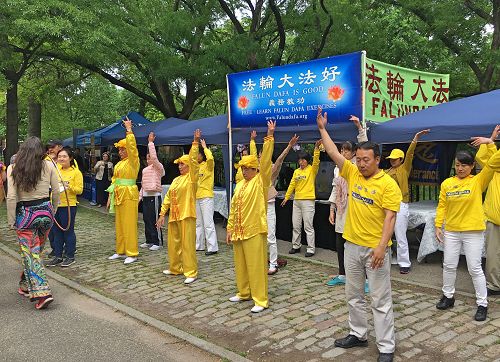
[(396, 153), (183, 159)]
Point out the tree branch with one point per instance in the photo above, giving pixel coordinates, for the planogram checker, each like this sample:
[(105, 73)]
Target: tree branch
[(324, 36), (232, 17), (281, 32), (478, 11)]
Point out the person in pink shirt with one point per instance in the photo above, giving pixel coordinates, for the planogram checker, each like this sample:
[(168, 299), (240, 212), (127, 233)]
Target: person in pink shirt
[(151, 196)]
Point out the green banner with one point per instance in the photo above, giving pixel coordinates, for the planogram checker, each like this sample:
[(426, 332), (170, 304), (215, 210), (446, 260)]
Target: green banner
[(392, 91)]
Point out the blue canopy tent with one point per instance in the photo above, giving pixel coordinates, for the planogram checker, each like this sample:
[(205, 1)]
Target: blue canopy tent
[(453, 121), (115, 128)]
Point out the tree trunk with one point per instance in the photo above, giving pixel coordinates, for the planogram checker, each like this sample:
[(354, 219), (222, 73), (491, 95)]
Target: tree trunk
[(12, 120), (142, 106), (35, 118)]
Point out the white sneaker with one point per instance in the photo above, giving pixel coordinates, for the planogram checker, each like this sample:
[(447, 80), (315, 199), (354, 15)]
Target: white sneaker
[(154, 247), (235, 299), (129, 260), (116, 256), (144, 245), (257, 309), (167, 272), (189, 280)]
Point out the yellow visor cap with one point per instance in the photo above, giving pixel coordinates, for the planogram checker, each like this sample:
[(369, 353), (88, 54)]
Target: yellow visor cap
[(121, 143), (249, 161), (183, 159), (396, 153)]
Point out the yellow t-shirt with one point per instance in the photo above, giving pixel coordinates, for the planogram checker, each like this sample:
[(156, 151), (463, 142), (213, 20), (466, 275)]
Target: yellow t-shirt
[(248, 214), (303, 181), (367, 201), (75, 179), (181, 196), (460, 205), (401, 173), (491, 203), (206, 176)]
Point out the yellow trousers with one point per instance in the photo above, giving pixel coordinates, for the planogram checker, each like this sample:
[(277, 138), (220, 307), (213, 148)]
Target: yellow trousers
[(250, 262), (182, 247), (126, 228)]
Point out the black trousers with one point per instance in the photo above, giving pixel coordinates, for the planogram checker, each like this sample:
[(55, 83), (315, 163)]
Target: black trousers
[(339, 244), (151, 206), (101, 194)]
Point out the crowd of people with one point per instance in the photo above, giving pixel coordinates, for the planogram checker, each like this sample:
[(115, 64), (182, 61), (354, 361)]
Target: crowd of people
[(368, 206)]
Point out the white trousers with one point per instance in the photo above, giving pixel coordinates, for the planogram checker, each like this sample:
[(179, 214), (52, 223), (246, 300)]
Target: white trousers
[(472, 243), (357, 260), (271, 235), (205, 227), (303, 210), (400, 228)]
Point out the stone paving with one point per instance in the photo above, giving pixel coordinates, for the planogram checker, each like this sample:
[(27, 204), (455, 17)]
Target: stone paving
[(304, 317)]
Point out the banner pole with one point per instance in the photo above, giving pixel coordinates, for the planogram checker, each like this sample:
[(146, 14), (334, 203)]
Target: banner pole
[(363, 87), (230, 147)]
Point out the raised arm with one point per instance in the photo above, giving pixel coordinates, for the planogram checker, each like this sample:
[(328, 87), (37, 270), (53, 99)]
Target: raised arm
[(267, 154), (253, 145), (486, 146), (330, 147), (279, 161), (362, 136), (208, 155), (315, 163), (194, 166), (131, 145), (407, 164), (152, 154)]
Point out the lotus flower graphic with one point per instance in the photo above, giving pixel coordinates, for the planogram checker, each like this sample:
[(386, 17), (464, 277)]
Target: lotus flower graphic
[(335, 93), (243, 102)]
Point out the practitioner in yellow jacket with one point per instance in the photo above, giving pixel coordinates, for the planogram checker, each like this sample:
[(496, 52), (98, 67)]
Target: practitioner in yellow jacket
[(180, 203), (253, 151), (492, 211), (400, 172), (303, 183), (124, 197), (205, 227), (460, 211), (247, 226)]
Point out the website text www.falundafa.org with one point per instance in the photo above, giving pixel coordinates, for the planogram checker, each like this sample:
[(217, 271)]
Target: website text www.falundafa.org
[(287, 117)]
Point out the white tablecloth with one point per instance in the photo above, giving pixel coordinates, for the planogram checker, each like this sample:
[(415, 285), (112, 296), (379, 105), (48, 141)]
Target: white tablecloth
[(220, 201)]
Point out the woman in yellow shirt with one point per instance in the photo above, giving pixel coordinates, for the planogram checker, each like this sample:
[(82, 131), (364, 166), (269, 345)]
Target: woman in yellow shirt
[(304, 203), (180, 203), (460, 211), (70, 185), (247, 226), (244, 152), (205, 227)]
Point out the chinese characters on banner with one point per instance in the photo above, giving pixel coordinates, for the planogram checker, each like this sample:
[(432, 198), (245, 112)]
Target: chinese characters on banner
[(393, 92), (291, 94)]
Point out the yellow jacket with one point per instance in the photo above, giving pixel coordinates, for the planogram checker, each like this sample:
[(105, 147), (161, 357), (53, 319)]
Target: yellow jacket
[(460, 202), (75, 179), (253, 151), (491, 203), (303, 181), (206, 176), (248, 213), (400, 174), (128, 168), (181, 196)]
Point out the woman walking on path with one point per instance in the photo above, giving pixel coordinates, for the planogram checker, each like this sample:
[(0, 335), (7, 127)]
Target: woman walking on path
[(247, 226), (70, 187), (30, 209), (180, 203), (460, 211), (103, 176), (151, 196)]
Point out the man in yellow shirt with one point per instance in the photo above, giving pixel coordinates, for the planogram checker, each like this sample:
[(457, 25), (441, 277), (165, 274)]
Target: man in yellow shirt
[(247, 226), (492, 211), (205, 227), (373, 201), (400, 172), (304, 202), (124, 197)]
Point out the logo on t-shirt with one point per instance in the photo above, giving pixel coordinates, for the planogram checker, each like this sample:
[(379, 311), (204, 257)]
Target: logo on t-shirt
[(300, 177), (363, 199), (458, 193)]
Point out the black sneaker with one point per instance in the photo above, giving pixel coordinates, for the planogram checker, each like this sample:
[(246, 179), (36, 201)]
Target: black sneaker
[(350, 341), (492, 292), (51, 254), (294, 251), (385, 357), (445, 303), (67, 262), (208, 253), (481, 313), (308, 254), (54, 262)]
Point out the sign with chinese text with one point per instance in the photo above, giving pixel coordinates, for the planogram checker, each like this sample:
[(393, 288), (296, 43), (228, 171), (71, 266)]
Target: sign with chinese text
[(393, 92), (291, 94)]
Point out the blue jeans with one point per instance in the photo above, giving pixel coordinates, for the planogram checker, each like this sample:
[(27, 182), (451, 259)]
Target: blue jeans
[(65, 240)]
